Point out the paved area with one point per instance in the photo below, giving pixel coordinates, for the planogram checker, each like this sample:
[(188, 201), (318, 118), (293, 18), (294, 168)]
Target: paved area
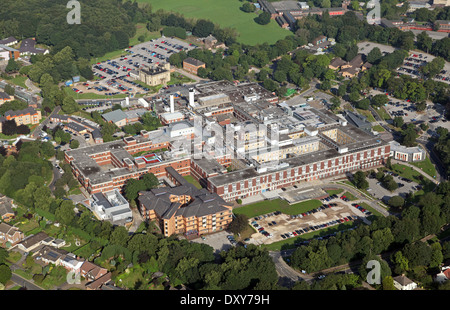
[(218, 241), (416, 59), (366, 47), (379, 192)]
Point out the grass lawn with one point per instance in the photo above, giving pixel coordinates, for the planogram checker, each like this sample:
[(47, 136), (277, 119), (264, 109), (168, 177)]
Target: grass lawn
[(130, 277), (177, 78), (382, 113), (378, 128), (5, 137), (407, 172), (225, 13), (350, 196), (69, 91), (193, 181), (19, 80), (334, 191), (141, 29), (427, 167), (367, 207), (367, 114), (268, 206), (110, 55)]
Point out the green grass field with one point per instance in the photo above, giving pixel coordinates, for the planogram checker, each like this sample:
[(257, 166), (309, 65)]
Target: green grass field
[(141, 29), (69, 91), (225, 13), (378, 128), (334, 191), (193, 181), (427, 167), (268, 206), (383, 113), (367, 114), (19, 80)]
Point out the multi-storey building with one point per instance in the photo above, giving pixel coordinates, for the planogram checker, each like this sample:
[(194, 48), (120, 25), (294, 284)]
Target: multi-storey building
[(192, 65), (24, 117), (184, 209), (155, 75), (341, 148)]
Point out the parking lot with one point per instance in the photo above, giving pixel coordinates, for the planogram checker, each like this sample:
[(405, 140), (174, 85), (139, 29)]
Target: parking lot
[(219, 241), (379, 192), (278, 226), (412, 64), (117, 76), (433, 114)]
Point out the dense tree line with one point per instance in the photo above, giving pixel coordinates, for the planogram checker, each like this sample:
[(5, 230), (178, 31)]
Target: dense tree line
[(386, 235), (106, 25), (442, 148)]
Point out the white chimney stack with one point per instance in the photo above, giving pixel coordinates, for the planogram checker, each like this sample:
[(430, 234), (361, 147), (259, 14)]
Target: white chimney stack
[(191, 97), (127, 101), (172, 106)]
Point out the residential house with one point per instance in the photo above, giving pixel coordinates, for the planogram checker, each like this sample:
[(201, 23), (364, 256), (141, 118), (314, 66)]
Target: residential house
[(71, 262), (33, 242), (337, 63), (320, 39), (9, 235), (9, 41), (404, 284), (28, 47), (100, 282), (50, 255), (92, 273), (210, 42), (6, 208)]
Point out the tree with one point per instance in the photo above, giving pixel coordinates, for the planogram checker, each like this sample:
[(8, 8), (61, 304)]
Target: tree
[(263, 18), (203, 28), (398, 121), (238, 224), (12, 66), (74, 144), (5, 274), (119, 236), (3, 255), (359, 179), (433, 67), (388, 284), (424, 41), (401, 263), (374, 55), (248, 7), (409, 136), (417, 253), (65, 213), (396, 202), (379, 100)]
